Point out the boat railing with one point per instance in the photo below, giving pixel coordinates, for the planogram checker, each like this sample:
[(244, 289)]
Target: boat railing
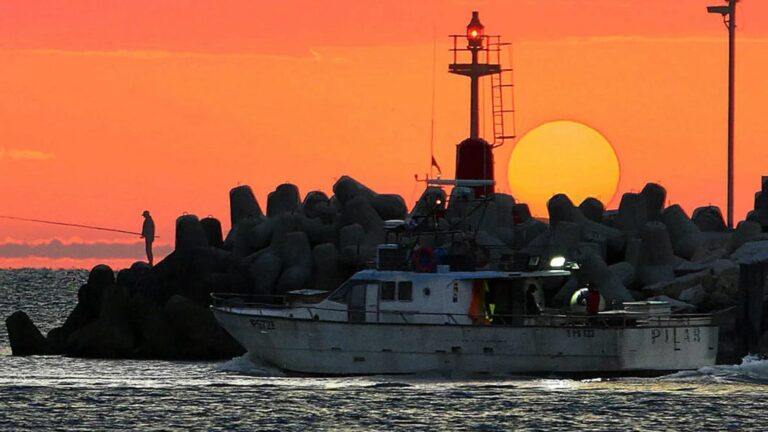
[(267, 305), (248, 300)]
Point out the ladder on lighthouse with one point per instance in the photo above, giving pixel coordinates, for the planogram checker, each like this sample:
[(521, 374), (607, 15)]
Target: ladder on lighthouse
[(502, 95)]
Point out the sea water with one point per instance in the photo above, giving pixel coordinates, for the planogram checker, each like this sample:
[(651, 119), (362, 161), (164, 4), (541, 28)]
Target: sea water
[(58, 393)]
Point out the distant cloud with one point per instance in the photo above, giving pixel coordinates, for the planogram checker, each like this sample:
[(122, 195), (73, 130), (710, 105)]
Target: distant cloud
[(302, 55), (78, 250), (24, 154)]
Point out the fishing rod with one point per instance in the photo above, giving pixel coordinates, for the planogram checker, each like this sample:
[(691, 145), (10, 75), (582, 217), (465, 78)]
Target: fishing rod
[(70, 225)]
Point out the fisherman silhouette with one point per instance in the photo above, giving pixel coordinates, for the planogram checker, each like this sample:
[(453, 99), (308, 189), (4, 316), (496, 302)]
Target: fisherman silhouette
[(148, 234)]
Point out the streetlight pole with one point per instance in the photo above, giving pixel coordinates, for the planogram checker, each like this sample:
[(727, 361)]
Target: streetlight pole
[(729, 17)]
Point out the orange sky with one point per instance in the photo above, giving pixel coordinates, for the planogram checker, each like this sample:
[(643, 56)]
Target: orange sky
[(110, 107)]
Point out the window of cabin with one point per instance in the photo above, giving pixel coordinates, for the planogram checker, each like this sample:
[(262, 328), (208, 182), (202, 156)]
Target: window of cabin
[(343, 293), (388, 291), (405, 291)]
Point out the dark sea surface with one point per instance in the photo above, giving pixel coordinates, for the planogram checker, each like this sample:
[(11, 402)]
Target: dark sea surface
[(57, 393)]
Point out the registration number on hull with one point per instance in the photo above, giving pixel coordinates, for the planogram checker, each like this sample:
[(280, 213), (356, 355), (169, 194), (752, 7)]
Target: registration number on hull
[(262, 324)]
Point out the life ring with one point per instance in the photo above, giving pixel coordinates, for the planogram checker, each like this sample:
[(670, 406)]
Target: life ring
[(424, 260)]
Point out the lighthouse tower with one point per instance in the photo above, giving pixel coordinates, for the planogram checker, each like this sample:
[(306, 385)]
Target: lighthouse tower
[(480, 57)]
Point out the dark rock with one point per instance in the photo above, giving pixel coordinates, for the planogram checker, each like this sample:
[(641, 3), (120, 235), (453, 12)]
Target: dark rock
[(189, 233), (155, 338), (359, 211), (351, 236), (655, 196), (294, 278), (102, 340), (90, 294), (77, 319), (284, 199), (319, 232), (200, 336), (526, 232), (24, 336), (210, 260), (327, 271), (592, 209), (101, 276), (311, 202), (131, 277), (560, 209), (686, 237), (243, 204), (265, 271), (563, 240), (709, 219), (632, 215), (521, 213), (389, 206), (746, 231), (327, 213), (346, 188), (656, 261), (253, 237), (296, 251), (625, 272), (109, 336), (212, 230)]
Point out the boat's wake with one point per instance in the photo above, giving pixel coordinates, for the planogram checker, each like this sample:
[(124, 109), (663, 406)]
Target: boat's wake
[(244, 365), (753, 369)]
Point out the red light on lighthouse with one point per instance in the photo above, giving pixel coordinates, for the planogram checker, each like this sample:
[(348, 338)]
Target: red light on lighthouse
[(475, 31)]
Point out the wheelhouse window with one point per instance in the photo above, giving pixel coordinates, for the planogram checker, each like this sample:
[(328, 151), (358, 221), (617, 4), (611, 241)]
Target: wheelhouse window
[(405, 291), (388, 291), (343, 293)]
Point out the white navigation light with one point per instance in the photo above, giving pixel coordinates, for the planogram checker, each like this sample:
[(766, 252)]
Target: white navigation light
[(557, 262)]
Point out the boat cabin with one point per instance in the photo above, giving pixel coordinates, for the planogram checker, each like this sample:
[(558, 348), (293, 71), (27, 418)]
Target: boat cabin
[(477, 297)]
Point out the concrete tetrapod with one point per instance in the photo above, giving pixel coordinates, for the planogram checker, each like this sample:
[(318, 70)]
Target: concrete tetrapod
[(632, 215), (347, 188), (243, 204), (284, 199), (592, 209), (686, 237), (655, 196), (656, 260), (562, 209), (189, 233), (709, 219), (311, 204)]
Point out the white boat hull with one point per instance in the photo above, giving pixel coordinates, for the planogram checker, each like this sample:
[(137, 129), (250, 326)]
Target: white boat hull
[(343, 348)]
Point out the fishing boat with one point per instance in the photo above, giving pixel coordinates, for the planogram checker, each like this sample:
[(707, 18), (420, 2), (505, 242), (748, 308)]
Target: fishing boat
[(391, 321), (421, 308)]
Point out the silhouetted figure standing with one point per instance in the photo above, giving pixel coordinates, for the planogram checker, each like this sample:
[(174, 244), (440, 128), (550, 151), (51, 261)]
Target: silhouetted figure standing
[(531, 306), (593, 300), (148, 234)]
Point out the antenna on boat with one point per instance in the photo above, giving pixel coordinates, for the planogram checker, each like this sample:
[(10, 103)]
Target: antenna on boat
[(433, 161)]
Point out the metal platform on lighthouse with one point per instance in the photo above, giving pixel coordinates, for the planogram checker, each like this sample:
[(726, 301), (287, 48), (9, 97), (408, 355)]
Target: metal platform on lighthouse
[(476, 55)]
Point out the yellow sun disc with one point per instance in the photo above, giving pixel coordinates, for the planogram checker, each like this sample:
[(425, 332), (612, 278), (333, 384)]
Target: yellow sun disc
[(562, 157)]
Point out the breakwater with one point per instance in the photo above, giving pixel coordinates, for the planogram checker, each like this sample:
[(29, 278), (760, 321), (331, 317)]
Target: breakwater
[(643, 250)]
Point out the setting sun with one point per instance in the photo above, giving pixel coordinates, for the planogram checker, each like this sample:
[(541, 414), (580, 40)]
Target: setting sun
[(562, 157)]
